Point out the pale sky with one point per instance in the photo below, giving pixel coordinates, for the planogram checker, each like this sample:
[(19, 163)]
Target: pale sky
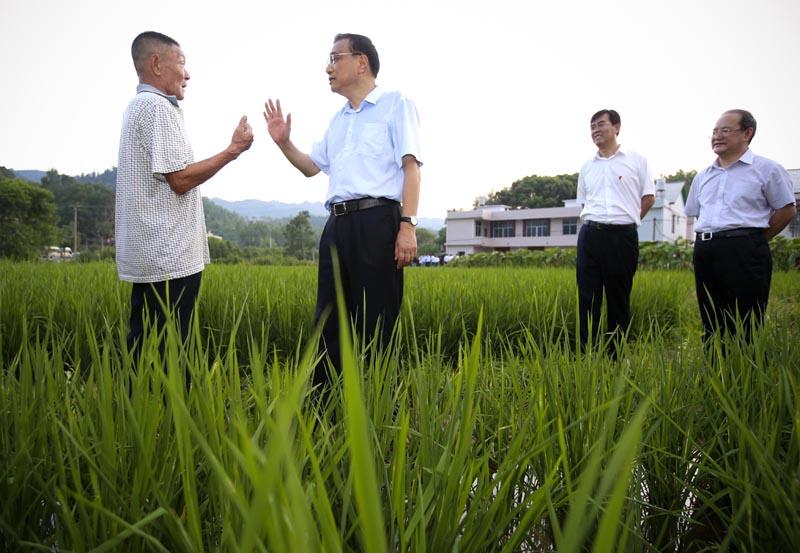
[(504, 89)]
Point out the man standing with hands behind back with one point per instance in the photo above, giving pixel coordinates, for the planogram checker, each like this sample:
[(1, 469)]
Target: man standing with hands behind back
[(371, 154), (616, 189), (160, 227), (741, 201)]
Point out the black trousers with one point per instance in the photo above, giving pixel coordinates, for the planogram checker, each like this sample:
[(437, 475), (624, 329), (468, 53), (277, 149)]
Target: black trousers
[(372, 284), (607, 262), (180, 295), (732, 274)]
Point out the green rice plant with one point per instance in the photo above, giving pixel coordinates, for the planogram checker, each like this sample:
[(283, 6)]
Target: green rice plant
[(480, 429)]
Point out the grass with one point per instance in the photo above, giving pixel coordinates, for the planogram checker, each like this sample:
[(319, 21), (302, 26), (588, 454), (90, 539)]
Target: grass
[(482, 430)]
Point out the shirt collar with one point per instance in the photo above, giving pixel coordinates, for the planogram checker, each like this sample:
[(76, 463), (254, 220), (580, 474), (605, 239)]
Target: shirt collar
[(747, 157), (371, 98), (150, 88), (620, 151)]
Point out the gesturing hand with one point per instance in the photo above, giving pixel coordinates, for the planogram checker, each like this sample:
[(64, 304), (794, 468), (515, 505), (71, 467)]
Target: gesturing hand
[(242, 137), (278, 127)]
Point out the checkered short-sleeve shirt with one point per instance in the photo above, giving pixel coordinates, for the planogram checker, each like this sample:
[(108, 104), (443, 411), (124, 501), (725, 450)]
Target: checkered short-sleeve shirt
[(160, 235)]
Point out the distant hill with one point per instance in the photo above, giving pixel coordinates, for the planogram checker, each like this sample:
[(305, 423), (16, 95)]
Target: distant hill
[(107, 178), (259, 209), (30, 175)]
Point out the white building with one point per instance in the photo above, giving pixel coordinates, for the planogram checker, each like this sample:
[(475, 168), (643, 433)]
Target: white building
[(489, 228), (666, 221), (792, 230)]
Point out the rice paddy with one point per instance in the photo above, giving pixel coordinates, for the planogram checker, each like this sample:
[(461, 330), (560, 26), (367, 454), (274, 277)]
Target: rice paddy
[(483, 429)]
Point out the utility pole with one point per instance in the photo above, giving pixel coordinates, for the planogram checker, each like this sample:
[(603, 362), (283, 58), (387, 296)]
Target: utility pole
[(74, 229)]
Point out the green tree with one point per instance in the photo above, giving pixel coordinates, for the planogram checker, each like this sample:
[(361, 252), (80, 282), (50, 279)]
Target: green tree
[(27, 219), (299, 236), (537, 191), (6, 173), (441, 238), (92, 203), (426, 242)]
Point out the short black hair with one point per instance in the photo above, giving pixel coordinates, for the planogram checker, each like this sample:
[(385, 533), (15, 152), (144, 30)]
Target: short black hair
[(362, 45), (747, 121), (141, 46), (613, 116)]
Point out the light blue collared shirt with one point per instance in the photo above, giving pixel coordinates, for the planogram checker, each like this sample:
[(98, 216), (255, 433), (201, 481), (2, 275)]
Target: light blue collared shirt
[(743, 195), (362, 150)]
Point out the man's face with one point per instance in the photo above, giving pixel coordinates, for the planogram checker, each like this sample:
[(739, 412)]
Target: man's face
[(173, 76), (603, 132), (344, 69), (728, 137)]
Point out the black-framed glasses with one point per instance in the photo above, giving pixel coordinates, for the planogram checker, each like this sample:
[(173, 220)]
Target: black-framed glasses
[(332, 57)]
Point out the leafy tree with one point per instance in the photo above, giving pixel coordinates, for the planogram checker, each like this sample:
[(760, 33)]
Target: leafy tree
[(299, 236), (441, 238), (686, 176), (426, 242), (537, 191), (94, 204), (107, 178), (27, 218), (6, 173)]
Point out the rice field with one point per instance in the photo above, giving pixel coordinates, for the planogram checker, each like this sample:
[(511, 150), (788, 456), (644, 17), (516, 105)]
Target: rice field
[(482, 429)]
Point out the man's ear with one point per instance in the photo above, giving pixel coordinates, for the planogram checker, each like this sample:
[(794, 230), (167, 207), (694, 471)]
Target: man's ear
[(154, 63)]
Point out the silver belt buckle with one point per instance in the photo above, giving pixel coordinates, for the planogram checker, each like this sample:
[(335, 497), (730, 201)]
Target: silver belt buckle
[(706, 236), (339, 209)]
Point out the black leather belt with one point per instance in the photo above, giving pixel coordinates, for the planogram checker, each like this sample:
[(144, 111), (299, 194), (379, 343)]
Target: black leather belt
[(608, 226), (344, 208), (732, 233)]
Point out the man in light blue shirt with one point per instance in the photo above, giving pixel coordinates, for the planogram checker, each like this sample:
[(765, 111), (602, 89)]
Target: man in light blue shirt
[(740, 201), (371, 154)]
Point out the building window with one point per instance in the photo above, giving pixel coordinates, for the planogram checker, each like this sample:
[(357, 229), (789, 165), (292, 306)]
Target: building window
[(569, 225), (536, 227), (673, 224), (503, 229), (478, 228)]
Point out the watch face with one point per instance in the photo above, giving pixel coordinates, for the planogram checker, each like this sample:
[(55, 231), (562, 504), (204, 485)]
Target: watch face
[(413, 220)]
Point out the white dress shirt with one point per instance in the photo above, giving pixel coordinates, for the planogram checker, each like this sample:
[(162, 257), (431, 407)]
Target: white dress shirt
[(611, 189), (362, 150)]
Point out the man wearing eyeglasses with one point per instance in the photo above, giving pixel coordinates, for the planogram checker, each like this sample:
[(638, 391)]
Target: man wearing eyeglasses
[(741, 201), (371, 154), (616, 189)]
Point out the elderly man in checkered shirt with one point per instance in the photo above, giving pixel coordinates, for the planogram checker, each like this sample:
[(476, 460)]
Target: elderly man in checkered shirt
[(160, 228)]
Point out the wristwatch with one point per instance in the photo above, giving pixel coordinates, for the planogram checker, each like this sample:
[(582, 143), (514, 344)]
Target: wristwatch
[(410, 219)]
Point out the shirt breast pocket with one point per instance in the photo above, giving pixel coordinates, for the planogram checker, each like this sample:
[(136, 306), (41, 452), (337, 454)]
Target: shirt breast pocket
[(373, 140)]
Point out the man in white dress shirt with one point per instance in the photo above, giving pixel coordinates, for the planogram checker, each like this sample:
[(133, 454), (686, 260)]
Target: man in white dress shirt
[(616, 189), (371, 154)]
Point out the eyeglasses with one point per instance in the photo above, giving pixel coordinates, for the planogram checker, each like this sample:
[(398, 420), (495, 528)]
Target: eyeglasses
[(724, 131), (599, 125), (332, 57)]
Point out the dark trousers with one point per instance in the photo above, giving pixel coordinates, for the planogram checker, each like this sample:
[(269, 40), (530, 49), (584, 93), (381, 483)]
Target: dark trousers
[(732, 274), (607, 262), (371, 282), (179, 295)]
